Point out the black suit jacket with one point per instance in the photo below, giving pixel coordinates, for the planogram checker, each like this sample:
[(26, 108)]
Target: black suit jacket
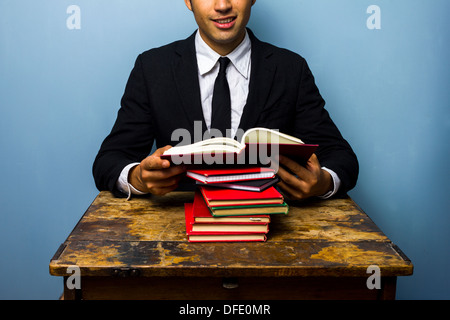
[(163, 94)]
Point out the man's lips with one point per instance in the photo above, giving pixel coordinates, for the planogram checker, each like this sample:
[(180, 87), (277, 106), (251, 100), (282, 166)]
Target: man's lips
[(224, 23)]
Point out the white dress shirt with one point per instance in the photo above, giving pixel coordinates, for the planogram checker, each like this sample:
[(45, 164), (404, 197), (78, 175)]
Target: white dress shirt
[(238, 77)]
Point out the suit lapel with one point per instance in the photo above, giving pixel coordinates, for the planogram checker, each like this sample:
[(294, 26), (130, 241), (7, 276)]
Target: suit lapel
[(261, 79), (186, 79)]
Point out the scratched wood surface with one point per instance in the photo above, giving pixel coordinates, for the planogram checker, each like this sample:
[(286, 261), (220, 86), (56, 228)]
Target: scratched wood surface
[(316, 238)]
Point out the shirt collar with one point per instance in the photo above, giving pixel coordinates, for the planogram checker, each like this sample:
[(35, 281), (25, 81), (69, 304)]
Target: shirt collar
[(207, 57)]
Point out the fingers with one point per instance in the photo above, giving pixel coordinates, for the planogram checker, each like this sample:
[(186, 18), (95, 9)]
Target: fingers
[(160, 181), (156, 175), (302, 182), (159, 172), (292, 166), (311, 166), (163, 187), (295, 188), (162, 177), (289, 192)]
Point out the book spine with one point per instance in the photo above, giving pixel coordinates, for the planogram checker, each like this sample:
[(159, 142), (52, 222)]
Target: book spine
[(227, 240)]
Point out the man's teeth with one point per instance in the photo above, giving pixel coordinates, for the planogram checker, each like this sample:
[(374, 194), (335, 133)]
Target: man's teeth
[(225, 20)]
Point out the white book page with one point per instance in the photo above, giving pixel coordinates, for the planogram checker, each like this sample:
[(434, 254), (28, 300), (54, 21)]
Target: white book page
[(209, 145), (264, 135)]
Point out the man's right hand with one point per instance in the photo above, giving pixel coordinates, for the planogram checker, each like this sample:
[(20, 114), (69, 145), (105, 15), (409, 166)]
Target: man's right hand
[(155, 175)]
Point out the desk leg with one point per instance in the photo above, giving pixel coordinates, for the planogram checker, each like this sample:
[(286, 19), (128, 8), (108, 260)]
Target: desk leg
[(70, 294), (388, 288)]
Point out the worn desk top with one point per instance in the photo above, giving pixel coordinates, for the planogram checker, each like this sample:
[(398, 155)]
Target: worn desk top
[(316, 238)]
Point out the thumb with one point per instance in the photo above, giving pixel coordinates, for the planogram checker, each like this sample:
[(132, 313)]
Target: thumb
[(154, 161), (160, 151), (313, 163)]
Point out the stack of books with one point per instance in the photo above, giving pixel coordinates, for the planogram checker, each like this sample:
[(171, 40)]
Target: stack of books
[(233, 204), (237, 202)]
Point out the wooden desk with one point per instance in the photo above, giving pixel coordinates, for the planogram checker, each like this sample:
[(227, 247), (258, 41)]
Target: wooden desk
[(138, 250)]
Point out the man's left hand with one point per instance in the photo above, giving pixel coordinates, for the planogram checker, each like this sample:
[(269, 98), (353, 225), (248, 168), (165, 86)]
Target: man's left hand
[(301, 182)]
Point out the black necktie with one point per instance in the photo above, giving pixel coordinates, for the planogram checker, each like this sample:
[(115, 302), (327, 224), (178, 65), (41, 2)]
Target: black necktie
[(221, 102)]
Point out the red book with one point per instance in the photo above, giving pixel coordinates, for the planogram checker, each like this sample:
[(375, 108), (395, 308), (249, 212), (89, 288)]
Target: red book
[(215, 197), (230, 174), (201, 214), (257, 185), (218, 236)]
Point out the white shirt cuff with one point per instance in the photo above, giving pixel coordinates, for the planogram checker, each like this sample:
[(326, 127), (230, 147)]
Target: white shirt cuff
[(123, 185), (336, 184)]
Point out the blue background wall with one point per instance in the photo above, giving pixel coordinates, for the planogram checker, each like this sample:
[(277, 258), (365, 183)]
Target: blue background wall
[(387, 89)]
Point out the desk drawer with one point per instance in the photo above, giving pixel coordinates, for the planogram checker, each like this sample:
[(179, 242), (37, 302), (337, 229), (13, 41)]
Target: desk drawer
[(215, 288)]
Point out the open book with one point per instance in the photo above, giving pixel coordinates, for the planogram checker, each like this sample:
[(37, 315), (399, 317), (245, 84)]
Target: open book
[(257, 146)]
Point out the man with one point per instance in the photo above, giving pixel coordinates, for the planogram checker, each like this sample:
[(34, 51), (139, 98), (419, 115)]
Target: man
[(173, 86)]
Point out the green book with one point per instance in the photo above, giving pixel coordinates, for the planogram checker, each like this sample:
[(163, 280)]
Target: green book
[(244, 210)]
